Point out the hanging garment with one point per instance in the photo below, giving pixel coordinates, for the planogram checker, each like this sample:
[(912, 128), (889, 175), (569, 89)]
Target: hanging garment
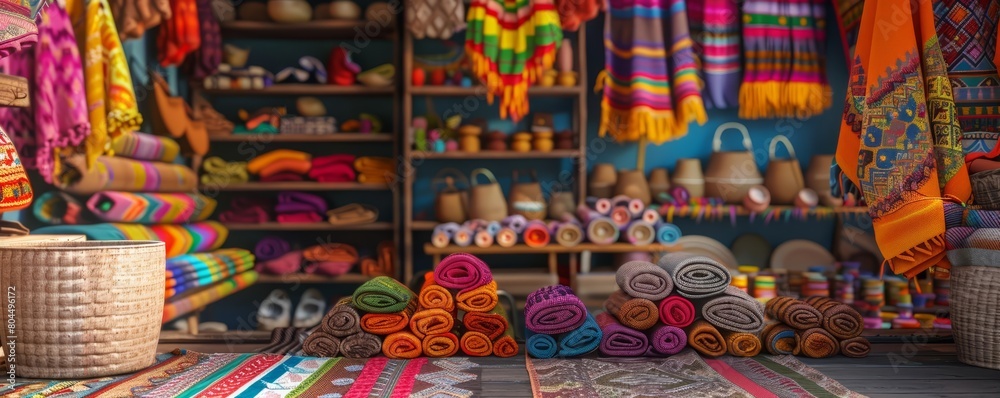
[(509, 43), (57, 117), (17, 26), (435, 19), (110, 97), (205, 61), (573, 13), (180, 35), (900, 139), (716, 35), (849, 21), (638, 100), (134, 17)]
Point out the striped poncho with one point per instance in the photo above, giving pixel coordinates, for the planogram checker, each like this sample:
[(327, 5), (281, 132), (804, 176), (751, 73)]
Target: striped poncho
[(509, 43), (716, 33)]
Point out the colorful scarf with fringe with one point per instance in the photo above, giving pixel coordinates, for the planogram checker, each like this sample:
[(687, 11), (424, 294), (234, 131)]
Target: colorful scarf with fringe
[(639, 70), (899, 139), (509, 43), (785, 63), (716, 33)]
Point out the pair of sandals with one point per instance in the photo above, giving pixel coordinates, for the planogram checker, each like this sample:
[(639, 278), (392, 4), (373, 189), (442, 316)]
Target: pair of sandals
[(310, 70), (175, 118), (276, 310)]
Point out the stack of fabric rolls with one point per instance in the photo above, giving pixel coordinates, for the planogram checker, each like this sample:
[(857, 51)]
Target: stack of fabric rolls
[(642, 318), (375, 170), (340, 333), (483, 326), (300, 207), (559, 324), (816, 327)]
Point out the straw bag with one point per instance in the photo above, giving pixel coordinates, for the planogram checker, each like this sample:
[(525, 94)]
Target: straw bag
[(975, 290), (731, 174), (15, 189), (784, 176), (486, 201), (84, 309), (561, 203), (526, 198), (451, 202)]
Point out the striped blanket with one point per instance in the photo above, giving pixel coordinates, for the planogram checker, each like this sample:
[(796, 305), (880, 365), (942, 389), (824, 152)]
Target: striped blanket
[(202, 269), (716, 33)]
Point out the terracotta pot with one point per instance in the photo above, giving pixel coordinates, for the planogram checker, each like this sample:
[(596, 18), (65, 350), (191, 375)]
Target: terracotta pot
[(602, 180), (548, 78), (659, 182), (632, 183), (758, 199), (521, 142), (486, 200), (526, 198), (543, 141), (289, 11), (345, 9), (567, 79), (730, 174), (687, 174), (497, 141), (806, 198), (469, 138), (564, 140), (451, 201), (818, 179), (784, 176)]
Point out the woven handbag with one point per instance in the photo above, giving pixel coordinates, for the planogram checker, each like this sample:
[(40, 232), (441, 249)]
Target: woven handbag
[(15, 189), (975, 321)]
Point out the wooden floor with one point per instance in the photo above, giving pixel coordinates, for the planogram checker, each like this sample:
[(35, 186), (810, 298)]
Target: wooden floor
[(897, 367)]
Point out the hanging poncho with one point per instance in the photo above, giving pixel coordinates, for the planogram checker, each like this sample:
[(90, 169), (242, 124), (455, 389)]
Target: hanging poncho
[(900, 138), (785, 65), (509, 43), (638, 100), (717, 43)]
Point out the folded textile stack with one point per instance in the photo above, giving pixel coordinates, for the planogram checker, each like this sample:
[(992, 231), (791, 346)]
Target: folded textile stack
[(179, 239), (643, 318), (151, 208), (191, 271), (470, 281), (247, 210), (340, 333), (817, 327), (559, 324), (180, 306), (280, 165), (215, 171), (300, 207), (622, 218), (333, 168), (330, 259), (375, 170)]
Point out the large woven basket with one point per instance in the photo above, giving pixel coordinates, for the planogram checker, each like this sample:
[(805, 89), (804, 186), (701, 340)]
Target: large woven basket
[(975, 298), (83, 309), (986, 189)]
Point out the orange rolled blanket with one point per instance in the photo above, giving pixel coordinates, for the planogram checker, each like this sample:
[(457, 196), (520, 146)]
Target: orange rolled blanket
[(480, 299), (493, 324), (402, 345), (815, 343), (440, 345), (431, 321), (321, 344), (858, 347), (385, 324), (255, 165), (793, 312), (636, 313), (706, 339), (842, 321), (433, 295), (475, 344), (740, 344), (295, 166), (505, 346), (778, 338)]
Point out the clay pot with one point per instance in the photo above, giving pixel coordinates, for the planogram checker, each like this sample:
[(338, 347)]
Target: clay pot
[(817, 178), (289, 11), (659, 182), (548, 78), (688, 174), (602, 180), (543, 141), (564, 140), (496, 141), (632, 183), (806, 198), (235, 56), (345, 9), (567, 79), (521, 142), (758, 199), (469, 138), (784, 176)]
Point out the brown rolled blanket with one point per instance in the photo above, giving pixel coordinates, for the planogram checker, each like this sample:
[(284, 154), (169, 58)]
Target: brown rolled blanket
[(361, 345), (342, 320), (794, 312), (321, 344), (842, 321), (706, 339), (742, 344), (815, 343), (858, 347)]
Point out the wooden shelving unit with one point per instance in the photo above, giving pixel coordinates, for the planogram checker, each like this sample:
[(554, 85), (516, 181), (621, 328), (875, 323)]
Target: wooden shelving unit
[(312, 30), (311, 226), (311, 278), (554, 154), (296, 186), (317, 138), (305, 89)]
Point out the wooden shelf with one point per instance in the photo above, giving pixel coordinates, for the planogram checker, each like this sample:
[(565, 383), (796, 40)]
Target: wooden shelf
[(296, 186), (310, 226), (14, 91), (310, 278), (417, 225), (458, 91), (336, 137), (312, 30), (523, 249), (724, 212), (306, 89), (555, 154)]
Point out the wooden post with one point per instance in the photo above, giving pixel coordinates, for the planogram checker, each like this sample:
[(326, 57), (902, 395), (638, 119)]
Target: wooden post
[(640, 162)]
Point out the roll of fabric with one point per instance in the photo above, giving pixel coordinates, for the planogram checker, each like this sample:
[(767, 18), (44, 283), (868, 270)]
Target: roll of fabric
[(706, 339), (258, 163), (402, 345), (640, 233), (151, 208), (735, 311), (282, 166), (475, 344), (542, 346), (601, 206), (857, 347), (462, 271), (360, 345), (464, 236), (440, 345), (342, 320), (332, 172), (443, 233), (696, 276), (515, 222), (667, 233), (553, 310), (493, 324), (569, 234), (385, 324), (636, 313), (619, 340), (506, 237), (56, 208), (125, 175), (433, 295), (602, 231), (179, 239), (815, 343), (677, 311), (536, 234), (143, 146), (643, 279), (793, 312), (383, 295), (432, 321), (666, 340), (742, 344), (506, 346), (582, 340), (190, 271), (320, 344), (332, 259), (483, 238), (779, 339), (220, 173), (271, 247), (842, 321), (284, 264), (620, 216), (480, 299)]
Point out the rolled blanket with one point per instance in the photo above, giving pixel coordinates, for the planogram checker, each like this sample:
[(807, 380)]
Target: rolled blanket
[(666, 340), (143, 146), (815, 343), (383, 295), (742, 344), (493, 324), (542, 346), (480, 299), (300, 202), (285, 264), (337, 253), (271, 247), (677, 311), (293, 166), (667, 233), (842, 321), (247, 210), (255, 165), (342, 320), (553, 310), (505, 346), (602, 231), (636, 313), (582, 340), (857, 347), (217, 171), (337, 158), (151, 208), (375, 165), (440, 345), (424, 323), (643, 279), (706, 339), (54, 207), (779, 339), (475, 344), (462, 271), (536, 234), (696, 276), (793, 312), (125, 175), (384, 324), (402, 345), (640, 233), (435, 296), (320, 344), (735, 311), (361, 345), (618, 340)]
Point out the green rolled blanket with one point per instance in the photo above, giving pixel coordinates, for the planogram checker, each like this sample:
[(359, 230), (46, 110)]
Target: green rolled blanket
[(383, 295)]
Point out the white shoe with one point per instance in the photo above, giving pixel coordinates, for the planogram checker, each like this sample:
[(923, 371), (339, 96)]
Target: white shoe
[(311, 309), (275, 311)]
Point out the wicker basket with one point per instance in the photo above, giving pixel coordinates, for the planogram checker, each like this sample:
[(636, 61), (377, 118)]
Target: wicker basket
[(975, 289), (986, 189), (84, 309)]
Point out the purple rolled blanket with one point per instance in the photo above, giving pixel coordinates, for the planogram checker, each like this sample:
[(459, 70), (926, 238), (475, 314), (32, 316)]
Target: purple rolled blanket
[(666, 340), (553, 310), (270, 248), (620, 340), (300, 202)]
